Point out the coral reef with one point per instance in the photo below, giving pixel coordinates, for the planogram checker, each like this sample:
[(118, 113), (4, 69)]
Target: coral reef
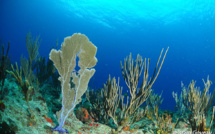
[(57, 98)]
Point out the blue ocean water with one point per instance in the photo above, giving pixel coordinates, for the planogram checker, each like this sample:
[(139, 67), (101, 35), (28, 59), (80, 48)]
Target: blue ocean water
[(119, 28)]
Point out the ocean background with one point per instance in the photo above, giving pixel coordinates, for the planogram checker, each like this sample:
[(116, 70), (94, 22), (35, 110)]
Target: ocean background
[(118, 28)]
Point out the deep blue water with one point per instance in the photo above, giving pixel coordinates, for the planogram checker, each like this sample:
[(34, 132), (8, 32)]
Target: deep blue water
[(118, 28)]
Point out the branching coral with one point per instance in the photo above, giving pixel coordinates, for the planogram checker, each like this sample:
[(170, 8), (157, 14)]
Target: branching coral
[(154, 100), (29, 82), (24, 84), (198, 103), (131, 72), (163, 122), (4, 65), (44, 70), (112, 93)]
